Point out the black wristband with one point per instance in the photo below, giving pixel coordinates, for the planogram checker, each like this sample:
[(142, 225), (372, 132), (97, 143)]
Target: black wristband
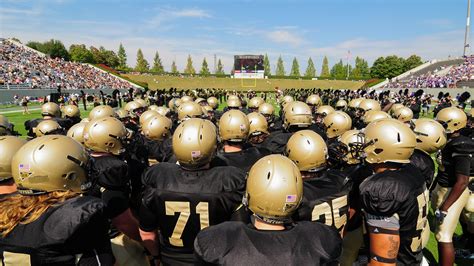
[(382, 259)]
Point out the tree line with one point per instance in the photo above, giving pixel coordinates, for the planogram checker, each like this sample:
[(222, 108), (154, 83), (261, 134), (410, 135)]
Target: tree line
[(383, 67)]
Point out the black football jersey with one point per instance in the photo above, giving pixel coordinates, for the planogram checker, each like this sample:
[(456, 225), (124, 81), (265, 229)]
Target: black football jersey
[(403, 193), (111, 183), (456, 158), (180, 203), (276, 142), (325, 200), (425, 164), (236, 243), (316, 128), (76, 226), (243, 159), (276, 125)]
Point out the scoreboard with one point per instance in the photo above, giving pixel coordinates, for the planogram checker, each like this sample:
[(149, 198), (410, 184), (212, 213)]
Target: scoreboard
[(249, 66)]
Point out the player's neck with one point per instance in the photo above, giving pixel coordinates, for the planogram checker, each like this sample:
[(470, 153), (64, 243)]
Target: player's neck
[(7, 187), (261, 225), (232, 148)]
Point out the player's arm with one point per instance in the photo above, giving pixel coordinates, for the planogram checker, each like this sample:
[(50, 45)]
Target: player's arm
[(462, 169), (384, 239), (148, 231)]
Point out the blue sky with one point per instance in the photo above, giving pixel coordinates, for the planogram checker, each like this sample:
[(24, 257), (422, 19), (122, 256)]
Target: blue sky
[(202, 28)]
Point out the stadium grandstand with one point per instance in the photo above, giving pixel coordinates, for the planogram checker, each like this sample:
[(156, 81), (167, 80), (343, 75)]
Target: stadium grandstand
[(451, 73), (24, 68)]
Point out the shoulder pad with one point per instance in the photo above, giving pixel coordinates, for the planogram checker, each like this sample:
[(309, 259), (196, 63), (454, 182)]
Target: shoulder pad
[(71, 215), (462, 145)]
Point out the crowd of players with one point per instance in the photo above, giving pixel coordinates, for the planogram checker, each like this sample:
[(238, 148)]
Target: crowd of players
[(338, 176), (462, 72), (19, 65)]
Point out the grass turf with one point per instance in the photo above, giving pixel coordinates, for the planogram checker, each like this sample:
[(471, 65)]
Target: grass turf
[(166, 82)]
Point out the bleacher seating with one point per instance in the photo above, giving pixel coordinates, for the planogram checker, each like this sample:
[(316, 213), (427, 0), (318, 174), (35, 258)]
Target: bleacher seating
[(21, 65)]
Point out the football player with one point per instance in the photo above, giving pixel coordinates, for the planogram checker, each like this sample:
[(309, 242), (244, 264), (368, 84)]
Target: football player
[(274, 191), (258, 131), (72, 113), (268, 111), (49, 111), (110, 177), (6, 128), (48, 222), (9, 145), (48, 127), (325, 190), (395, 197), (430, 138), (233, 133), (336, 124), (451, 193), (181, 199)]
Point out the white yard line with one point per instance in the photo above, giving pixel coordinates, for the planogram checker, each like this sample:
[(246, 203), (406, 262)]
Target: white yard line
[(19, 111)]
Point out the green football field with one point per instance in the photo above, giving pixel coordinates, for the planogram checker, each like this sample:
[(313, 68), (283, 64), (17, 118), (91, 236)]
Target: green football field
[(14, 114)]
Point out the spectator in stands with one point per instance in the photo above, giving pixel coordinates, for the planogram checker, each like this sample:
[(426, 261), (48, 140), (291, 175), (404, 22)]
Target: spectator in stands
[(20, 65)]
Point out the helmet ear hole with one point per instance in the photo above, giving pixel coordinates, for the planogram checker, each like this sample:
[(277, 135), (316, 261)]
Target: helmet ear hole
[(378, 150), (398, 137)]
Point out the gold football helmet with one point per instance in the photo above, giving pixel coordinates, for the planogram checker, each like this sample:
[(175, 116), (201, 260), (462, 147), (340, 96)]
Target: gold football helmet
[(142, 102), (121, 113), (266, 109), (313, 100), (403, 114), (134, 108), (201, 101), (195, 142), (153, 107), (164, 111), (186, 98), (373, 115), (255, 102), (369, 104), (341, 105), (234, 102), (353, 142), (430, 135), (307, 150), (188, 110), (71, 111), (102, 111), (50, 109), (395, 106), (324, 110), (337, 123), (105, 135), (50, 163), (213, 102), (258, 124), (77, 132), (452, 118), (147, 115), (157, 128), (286, 100), (9, 145), (234, 126), (297, 114), (47, 127), (389, 140), (354, 103), (274, 189)]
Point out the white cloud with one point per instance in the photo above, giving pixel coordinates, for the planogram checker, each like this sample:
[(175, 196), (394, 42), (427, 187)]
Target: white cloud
[(285, 37), (18, 11), (164, 15)]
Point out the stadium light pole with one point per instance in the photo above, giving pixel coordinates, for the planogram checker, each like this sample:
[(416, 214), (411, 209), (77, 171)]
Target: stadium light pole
[(468, 22)]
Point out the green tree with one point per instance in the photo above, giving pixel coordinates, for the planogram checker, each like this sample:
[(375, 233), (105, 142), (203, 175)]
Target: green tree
[(157, 65), (280, 68), (204, 68), (412, 62), (97, 55), (189, 66), (310, 69), (142, 65), (55, 49), (388, 67), (339, 71), (80, 53), (325, 68), (295, 68), (361, 69), (220, 68), (174, 68), (266, 66), (122, 56), (35, 45)]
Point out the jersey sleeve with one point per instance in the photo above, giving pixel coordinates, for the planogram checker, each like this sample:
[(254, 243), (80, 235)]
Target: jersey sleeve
[(381, 197), (148, 220)]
